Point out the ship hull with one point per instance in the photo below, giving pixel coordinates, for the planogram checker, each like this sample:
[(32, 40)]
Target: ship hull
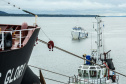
[(13, 63)]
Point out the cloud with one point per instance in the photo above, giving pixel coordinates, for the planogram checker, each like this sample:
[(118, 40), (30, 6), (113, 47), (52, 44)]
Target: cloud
[(122, 5), (67, 6)]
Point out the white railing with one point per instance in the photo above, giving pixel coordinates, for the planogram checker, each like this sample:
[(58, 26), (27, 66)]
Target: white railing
[(76, 80), (88, 81), (18, 37)]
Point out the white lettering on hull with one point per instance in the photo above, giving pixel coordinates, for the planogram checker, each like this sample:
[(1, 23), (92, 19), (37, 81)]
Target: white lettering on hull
[(17, 74), (0, 74)]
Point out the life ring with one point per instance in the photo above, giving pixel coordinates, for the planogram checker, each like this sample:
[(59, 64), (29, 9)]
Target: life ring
[(50, 45), (114, 77)]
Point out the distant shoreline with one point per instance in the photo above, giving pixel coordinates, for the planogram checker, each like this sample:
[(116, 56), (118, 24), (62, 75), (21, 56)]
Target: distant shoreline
[(48, 15), (53, 15)]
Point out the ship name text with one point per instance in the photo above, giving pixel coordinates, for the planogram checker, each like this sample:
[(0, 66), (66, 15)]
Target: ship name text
[(14, 74)]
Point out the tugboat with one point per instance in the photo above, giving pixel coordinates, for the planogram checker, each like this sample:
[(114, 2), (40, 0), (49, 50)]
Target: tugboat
[(16, 45), (90, 72), (79, 33)]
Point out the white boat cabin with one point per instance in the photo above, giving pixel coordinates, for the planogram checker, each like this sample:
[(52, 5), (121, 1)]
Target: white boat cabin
[(78, 33), (90, 72)]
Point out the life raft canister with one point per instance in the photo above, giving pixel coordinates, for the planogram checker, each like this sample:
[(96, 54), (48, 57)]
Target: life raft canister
[(50, 45)]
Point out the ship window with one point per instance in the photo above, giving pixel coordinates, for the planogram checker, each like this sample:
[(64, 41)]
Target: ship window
[(80, 66), (85, 67), (85, 74), (80, 72), (93, 73), (105, 72), (92, 68), (98, 67), (99, 72)]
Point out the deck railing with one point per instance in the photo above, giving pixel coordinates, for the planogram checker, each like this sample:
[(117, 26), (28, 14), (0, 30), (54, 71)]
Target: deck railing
[(13, 37), (77, 80)]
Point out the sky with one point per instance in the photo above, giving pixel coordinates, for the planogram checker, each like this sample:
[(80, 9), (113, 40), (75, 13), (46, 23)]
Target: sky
[(83, 7)]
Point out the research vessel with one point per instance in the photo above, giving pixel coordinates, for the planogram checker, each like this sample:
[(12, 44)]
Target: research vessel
[(98, 67)]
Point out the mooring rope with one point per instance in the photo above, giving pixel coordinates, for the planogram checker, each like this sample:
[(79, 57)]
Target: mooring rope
[(48, 71), (55, 73), (80, 57), (45, 34), (55, 80), (28, 13), (19, 8)]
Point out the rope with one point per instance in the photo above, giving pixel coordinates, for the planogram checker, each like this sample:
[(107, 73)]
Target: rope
[(55, 80), (19, 8), (28, 13), (23, 11), (54, 72), (45, 34), (80, 57), (48, 71)]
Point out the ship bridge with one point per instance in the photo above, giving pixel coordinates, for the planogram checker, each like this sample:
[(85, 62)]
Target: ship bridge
[(89, 72)]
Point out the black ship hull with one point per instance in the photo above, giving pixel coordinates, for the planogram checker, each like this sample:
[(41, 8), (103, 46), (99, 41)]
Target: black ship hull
[(13, 63)]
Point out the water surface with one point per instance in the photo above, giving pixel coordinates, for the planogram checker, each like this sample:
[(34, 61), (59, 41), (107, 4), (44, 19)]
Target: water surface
[(58, 29)]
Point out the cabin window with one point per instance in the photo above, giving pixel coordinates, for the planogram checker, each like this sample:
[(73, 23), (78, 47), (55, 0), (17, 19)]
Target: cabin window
[(80, 72), (99, 73), (85, 74), (93, 73), (105, 73)]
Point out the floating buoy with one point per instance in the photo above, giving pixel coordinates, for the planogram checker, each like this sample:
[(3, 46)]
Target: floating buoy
[(50, 45)]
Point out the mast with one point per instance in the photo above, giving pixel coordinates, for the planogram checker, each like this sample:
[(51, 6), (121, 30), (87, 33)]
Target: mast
[(99, 39)]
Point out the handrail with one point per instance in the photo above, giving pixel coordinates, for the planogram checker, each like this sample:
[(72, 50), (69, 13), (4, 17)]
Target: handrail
[(12, 32), (76, 79)]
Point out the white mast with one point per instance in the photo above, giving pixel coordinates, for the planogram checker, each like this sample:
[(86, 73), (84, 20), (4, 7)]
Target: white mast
[(99, 39)]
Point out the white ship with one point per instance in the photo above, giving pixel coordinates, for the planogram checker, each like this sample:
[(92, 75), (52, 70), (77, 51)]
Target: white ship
[(79, 33)]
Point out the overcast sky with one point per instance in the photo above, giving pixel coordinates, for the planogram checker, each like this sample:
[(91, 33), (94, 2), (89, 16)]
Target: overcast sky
[(101, 7)]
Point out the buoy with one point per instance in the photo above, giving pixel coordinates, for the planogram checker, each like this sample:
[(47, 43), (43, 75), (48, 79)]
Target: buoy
[(50, 45)]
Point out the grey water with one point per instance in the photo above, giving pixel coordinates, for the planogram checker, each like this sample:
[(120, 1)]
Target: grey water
[(58, 29)]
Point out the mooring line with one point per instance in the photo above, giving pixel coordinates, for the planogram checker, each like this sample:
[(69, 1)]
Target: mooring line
[(55, 80), (48, 71), (73, 77), (80, 57)]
